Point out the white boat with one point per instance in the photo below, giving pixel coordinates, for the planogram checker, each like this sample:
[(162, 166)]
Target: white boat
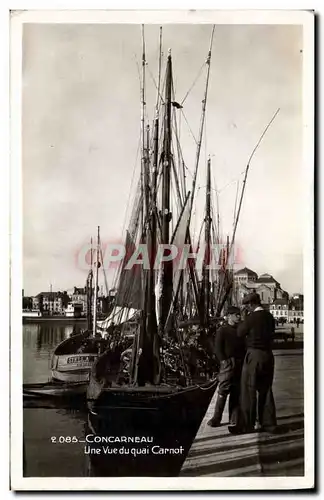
[(73, 311), (31, 313), (73, 358)]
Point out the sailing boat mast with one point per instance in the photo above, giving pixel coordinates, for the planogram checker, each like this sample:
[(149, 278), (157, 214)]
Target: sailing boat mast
[(199, 142), (166, 187), (89, 290), (230, 246), (95, 297), (205, 273), (202, 119), (143, 134)]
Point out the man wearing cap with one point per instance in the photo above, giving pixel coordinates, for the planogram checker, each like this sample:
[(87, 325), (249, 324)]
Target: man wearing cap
[(230, 351), (257, 373)]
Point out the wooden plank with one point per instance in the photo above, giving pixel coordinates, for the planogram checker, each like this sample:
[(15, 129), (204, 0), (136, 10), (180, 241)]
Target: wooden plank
[(217, 453)]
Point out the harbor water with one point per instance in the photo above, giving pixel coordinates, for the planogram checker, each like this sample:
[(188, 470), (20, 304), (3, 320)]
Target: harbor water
[(45, 429), (54, 438)]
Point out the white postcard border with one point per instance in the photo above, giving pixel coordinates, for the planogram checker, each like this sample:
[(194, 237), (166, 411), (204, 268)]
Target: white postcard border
[(18, 482)]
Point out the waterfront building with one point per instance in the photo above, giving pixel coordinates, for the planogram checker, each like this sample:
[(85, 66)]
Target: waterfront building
[(247, 281), (27, 303), (245, 276), (79, 299), (51, 303), (73, 311), (290, 309), (279, 308)]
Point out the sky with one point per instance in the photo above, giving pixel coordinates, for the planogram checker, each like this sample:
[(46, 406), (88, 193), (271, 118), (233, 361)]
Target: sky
[(81, 121)]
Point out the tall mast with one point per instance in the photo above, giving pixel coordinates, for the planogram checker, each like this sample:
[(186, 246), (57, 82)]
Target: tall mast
[(153, 223), (89, 286), (230, 245), (95, 297), (166, 187), (154, 177), (200, 134), (146, 170), (202, 119), (159, 71), (143, 155), (153, 339), (51, 300), (236, 221), (205, 276)]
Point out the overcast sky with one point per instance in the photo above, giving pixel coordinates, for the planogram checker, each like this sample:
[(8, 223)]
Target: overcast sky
[(81, 119)]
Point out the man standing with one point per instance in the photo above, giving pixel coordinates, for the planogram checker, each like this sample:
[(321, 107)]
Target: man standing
[(257, 373), (230, 351)]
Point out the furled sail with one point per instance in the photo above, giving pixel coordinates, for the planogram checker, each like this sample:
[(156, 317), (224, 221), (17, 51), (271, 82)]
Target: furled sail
[(130, 289), (178, 240), (119, 315)]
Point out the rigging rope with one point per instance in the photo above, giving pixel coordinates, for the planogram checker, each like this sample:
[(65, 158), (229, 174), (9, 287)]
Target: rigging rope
[(194, 83), (236, 198), (189, 127), (104, 272), (128, 201)]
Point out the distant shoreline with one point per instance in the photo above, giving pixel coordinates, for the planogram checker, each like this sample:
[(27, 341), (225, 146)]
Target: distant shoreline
[(53, 319)]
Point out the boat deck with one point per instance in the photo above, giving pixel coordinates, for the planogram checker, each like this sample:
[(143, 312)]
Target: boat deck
[(216, 453)]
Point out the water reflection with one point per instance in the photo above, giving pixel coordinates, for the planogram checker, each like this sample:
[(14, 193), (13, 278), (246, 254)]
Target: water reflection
[(39, 342), (43, 457)]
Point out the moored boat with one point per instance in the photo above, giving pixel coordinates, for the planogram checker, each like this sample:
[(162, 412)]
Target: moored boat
[(74, 357), (31, 313), (161, 397), (53, 390)]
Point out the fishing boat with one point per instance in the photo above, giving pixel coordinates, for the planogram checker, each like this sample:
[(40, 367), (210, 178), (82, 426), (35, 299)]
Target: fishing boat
[(151, 397), (74, 357), (163, 397), (53, 390), (31, 313)]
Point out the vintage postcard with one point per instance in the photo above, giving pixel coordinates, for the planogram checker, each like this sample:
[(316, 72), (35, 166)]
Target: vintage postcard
[(162, 324)]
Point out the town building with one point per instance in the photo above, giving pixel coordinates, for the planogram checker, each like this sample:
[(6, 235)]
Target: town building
[(58, 303), (27, 303), (296, 308), (79, 299), (245, 276), (247, 281), (290, 309), (51, 303), (280, 309)]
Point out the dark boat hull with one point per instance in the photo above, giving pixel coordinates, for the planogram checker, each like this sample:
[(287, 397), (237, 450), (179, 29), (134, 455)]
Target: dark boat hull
[(53, 390), (55, 395), (146, 424)]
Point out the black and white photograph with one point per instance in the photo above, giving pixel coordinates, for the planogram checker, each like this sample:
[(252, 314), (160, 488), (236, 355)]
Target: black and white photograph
[(162, 324)]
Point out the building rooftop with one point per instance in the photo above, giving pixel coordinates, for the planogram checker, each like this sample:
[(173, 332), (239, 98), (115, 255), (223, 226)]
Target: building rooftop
[(49, 294), (266, 278), (280, 302), (246, 270)]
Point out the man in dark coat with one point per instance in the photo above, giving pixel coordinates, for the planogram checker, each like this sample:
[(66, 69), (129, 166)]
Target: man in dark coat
[(230, 351), (257, 373)]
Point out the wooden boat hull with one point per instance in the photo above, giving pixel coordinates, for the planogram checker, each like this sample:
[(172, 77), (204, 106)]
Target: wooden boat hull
[(53, 390), (71, 366), (71, 377), (170, 419)]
